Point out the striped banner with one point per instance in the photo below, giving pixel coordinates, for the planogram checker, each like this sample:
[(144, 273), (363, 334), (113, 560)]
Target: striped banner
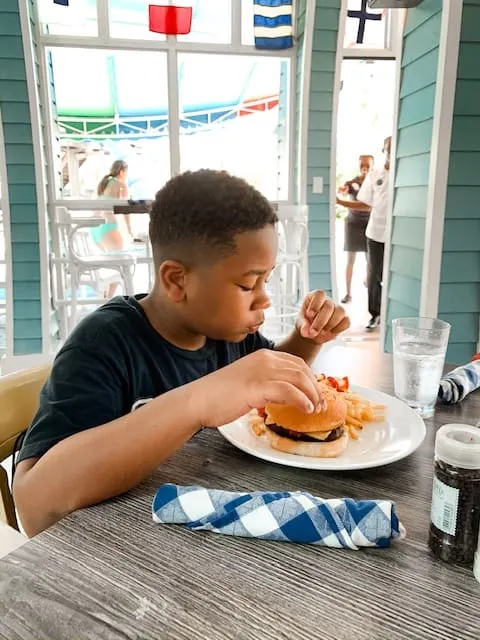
[(273, 24)]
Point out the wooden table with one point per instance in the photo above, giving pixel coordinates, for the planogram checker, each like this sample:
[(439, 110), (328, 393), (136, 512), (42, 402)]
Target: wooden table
[(110, 572)]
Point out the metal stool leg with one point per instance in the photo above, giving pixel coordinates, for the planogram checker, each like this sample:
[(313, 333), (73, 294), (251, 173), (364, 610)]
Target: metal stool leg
[(127, 277)]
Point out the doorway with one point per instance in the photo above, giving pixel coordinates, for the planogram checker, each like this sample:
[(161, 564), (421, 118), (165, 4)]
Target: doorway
[(365, 118)]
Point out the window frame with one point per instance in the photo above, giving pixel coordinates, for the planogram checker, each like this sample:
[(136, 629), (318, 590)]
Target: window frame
[(172, 47), (6, 259), (393, 19)]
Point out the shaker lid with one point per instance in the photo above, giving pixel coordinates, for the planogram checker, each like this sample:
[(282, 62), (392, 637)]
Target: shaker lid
[(458, 445)]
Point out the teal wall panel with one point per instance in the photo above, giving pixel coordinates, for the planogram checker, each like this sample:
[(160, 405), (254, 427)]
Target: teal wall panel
[(324, 51), (414, 140), (460, 266), (458, 353), (460, 271), (417, 107), (462, 202), (22, 193), (410, 202), (459, 297)]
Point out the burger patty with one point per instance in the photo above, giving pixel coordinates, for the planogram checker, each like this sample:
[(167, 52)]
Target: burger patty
[(304, 437)]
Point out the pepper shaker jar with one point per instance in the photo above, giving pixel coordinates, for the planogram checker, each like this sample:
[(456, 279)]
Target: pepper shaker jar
[(455, 513)]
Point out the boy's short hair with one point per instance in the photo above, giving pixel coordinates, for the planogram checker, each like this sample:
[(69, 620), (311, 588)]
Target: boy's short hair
[(195, 217)]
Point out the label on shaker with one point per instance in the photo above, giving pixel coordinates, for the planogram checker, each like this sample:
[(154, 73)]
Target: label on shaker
[(444, 507)]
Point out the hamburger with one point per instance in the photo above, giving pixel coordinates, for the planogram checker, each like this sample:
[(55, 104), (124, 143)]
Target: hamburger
[(317, 435)]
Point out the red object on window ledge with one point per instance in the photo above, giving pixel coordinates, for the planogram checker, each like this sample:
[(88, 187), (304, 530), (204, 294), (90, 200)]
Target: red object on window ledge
[(169, 20)]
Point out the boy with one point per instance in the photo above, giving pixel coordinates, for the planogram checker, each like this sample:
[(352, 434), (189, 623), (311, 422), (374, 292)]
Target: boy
[(140, 376)]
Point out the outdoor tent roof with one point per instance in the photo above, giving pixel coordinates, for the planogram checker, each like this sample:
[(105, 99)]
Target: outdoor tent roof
[(124, 84), (96, 83)]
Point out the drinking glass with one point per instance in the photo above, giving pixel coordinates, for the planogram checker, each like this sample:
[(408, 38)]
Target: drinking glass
[(419, 348)]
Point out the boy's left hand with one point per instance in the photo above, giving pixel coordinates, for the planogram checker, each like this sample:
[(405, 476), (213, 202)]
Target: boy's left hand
[(320, 319)]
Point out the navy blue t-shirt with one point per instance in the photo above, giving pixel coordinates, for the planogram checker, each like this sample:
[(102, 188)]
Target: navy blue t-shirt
[(112, 363)]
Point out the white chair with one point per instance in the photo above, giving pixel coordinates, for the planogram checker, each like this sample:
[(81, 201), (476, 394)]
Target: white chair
[(288, 285), (77, 262)]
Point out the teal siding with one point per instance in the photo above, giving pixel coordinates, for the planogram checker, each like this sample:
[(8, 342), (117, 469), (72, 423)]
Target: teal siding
[(324, 53), (21, 185), (415, 126), (460, 274)]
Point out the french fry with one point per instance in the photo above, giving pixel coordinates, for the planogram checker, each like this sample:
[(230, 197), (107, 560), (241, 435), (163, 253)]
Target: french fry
[(353, 432), (367, 414), (354, 422), (257, 424)]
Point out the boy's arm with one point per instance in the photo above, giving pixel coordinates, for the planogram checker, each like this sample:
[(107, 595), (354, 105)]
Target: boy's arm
[(320, 321), (101, 462), (89, 464), (297, 345)]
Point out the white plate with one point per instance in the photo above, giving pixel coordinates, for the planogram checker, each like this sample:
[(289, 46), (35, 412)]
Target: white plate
[(379, 443)]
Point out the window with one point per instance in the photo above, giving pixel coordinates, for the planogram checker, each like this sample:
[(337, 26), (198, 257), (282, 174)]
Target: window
[(111, 105), (231, 117), (211, 22), (129, 19), (365, 27), (78, 19), (113, 100), (365, 112)]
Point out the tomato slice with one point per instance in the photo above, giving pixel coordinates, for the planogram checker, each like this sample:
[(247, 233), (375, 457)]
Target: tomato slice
[(339, 384), (261, 412), (476, 357)]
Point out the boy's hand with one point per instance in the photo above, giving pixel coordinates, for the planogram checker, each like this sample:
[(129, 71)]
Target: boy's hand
[(320, 319), (252, 382)]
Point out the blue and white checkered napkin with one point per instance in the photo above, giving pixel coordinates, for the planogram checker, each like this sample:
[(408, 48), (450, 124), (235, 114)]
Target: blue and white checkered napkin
[(285, 516), (459, 383)]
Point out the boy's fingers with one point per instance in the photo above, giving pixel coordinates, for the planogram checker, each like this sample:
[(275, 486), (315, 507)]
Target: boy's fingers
[(323, 317), (285, 393), (285, 360), (335, 320), (316, 302), (303, 383), (342, 326)]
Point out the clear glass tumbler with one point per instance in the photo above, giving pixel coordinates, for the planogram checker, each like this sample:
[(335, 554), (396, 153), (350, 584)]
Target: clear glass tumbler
[(419, 347)]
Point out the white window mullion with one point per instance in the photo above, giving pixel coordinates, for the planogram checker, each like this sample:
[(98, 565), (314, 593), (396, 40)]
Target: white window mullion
[(103, 19), (291, 125), (173, 111), (236, 17), (8, 284)]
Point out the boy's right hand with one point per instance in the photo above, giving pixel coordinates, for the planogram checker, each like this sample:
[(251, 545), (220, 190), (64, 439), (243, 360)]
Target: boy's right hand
[(252, 382)]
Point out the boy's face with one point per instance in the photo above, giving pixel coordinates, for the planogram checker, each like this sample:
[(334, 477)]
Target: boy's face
[(227, 300)]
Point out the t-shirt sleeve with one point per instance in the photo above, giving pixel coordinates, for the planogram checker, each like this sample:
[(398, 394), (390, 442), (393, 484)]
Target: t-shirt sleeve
[(365, 194), (84, 390)]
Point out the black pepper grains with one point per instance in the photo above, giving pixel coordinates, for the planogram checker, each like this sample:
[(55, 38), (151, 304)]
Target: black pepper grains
[(455, 514)]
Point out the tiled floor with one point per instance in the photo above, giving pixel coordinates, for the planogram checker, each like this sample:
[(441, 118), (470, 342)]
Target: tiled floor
[(357, 309)]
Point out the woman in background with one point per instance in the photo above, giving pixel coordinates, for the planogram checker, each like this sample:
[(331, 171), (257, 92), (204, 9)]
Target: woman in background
[(116, 233), (355, 222)]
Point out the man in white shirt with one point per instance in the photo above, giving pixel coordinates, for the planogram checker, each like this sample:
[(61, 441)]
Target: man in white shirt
[(374, 194)]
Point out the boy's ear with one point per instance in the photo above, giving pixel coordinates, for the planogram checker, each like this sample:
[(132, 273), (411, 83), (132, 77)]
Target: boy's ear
[(173, 275)]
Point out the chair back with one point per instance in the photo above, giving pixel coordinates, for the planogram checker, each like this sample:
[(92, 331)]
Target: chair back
[(19, 398)]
